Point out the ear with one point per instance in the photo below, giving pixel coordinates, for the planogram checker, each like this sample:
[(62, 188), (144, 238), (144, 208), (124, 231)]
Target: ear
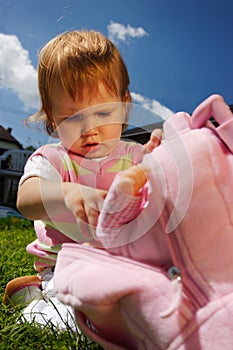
[(50, 124)]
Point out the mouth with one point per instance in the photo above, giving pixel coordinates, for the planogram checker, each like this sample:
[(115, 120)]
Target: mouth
[(91, 147), (90, 144)]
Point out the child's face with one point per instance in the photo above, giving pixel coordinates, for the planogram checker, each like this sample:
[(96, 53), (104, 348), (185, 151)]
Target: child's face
[(90, 127)]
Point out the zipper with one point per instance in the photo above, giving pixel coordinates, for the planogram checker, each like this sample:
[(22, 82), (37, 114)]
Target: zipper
[(192, 290)]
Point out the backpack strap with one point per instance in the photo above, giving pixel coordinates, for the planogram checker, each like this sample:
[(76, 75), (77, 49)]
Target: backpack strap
[(214, 106)]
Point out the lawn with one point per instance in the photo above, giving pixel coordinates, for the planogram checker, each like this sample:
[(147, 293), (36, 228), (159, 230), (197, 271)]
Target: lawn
[(15, 234)]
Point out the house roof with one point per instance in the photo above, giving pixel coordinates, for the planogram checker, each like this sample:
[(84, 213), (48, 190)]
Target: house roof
[(141, 134), (5, 135)]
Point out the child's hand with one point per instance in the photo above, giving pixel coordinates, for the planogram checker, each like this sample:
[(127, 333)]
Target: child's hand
[(85, 203), (155, 140), (130, 181)]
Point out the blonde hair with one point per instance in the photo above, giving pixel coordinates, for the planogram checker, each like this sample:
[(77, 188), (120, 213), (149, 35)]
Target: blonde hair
[(75, 60)]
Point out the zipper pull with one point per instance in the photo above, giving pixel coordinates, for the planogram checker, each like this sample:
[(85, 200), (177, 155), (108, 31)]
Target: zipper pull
[(176, 282), (174, 273)]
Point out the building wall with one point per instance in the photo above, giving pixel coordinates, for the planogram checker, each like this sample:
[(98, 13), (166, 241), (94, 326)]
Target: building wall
[(4, 146)]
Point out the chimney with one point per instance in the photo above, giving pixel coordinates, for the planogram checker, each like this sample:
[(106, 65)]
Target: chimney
[(9, 130)]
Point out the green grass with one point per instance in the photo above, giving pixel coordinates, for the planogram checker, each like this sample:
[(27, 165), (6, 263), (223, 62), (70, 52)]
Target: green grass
[(15, 234)]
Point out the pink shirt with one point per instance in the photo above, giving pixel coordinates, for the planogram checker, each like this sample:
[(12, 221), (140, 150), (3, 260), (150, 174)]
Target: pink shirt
[(54, 163)]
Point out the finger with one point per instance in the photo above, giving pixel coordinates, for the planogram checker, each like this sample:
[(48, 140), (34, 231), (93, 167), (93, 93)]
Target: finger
[(92, 216), (133, 179), (82, 221), (157, 134), (126, 185), (81, 214), (155, 140), (83, 227), (100, 199)]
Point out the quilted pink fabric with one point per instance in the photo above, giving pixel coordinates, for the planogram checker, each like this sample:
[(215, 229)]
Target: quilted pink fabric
[(124, 298)]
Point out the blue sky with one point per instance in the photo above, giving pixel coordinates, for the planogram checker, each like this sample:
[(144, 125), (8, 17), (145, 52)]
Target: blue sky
[(177, 52)]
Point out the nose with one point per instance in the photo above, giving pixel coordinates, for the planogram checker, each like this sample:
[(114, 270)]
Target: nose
[(89, 132), (88, 125)]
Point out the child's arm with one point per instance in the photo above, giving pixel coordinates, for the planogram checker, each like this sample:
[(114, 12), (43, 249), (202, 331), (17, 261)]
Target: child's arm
[(41, 199)]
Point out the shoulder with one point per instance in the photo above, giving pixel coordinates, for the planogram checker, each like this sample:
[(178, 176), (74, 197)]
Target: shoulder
[(49, 149), (54, 154)]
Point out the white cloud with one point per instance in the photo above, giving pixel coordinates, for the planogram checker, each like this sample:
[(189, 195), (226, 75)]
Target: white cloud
[(153, 105), (17, 72), (119, 32), (19, 75)]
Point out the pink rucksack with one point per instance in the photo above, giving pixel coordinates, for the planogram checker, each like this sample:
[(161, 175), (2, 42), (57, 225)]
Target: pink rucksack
[(122, 302)]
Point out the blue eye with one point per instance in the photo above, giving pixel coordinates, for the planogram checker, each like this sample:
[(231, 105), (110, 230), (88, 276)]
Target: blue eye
[(103, 114), (75, 117)]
